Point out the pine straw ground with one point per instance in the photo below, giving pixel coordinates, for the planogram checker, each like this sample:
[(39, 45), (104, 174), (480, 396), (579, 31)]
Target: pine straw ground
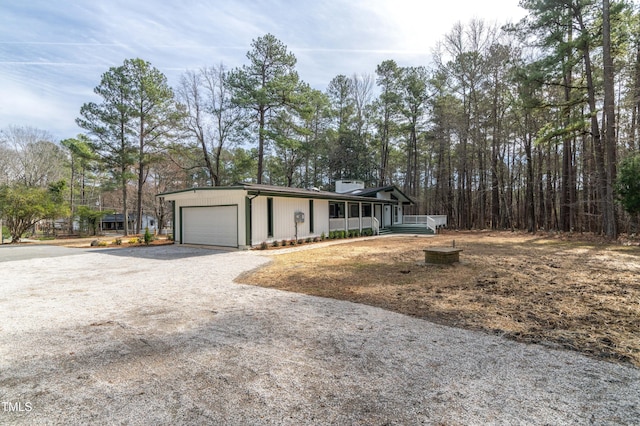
[(561, 291)]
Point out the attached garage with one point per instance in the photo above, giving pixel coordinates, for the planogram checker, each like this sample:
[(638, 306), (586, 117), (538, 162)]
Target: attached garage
[(210, 225)]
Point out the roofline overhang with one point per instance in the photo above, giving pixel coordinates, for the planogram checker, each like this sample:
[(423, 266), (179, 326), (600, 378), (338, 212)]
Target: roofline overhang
[(297, 193)]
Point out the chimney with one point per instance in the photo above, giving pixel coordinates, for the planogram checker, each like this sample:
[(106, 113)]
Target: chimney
[(343, 186)]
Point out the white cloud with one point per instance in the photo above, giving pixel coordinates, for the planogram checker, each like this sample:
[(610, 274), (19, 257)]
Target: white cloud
[(54, 53)]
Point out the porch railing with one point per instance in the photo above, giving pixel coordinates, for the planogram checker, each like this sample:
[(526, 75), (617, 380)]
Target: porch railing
[(375, 226), (433, 222)]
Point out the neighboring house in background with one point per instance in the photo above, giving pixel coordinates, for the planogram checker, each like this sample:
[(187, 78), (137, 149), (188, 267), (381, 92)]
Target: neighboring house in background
[(115, 222), (245, 215)]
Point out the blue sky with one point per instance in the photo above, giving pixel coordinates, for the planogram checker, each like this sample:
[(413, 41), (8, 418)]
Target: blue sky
[(53, 52)]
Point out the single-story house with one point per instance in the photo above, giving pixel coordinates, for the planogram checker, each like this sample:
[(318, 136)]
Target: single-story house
[(115, 222), (245, 214)]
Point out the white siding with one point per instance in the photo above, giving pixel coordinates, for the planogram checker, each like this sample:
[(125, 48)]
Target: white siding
[(284, 226)]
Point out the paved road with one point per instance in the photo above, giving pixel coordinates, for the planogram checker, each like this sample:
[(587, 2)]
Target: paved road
[(10, 252), (162, 335)]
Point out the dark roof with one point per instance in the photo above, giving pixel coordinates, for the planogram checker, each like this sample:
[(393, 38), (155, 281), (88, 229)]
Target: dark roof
[(371, 192), (118, 217), (261, 189)]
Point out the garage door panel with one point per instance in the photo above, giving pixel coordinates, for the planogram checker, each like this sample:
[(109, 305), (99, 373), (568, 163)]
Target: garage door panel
[(214, 225)]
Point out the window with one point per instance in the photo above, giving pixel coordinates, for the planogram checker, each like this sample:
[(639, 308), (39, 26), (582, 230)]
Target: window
[(366, 210), (311, 216), (269, 217), (336, 210), (354, 210)]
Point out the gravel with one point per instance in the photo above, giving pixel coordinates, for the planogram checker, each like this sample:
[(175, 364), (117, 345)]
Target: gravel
[(161, 335)]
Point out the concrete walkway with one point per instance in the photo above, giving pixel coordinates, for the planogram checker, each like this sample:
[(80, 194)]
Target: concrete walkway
[(161, 335)]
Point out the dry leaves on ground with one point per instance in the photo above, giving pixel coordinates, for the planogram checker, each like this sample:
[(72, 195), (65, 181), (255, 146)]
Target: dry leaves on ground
[(568, 292)]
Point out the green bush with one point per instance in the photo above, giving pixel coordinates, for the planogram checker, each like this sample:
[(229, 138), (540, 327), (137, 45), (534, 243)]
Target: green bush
[(118, 241), (263, 245), (275, 243), (148, 236), (322, 237), (170, 237), (292, 242)]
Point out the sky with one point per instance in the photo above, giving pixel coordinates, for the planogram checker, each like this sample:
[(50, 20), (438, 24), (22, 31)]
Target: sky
[(54, 52)]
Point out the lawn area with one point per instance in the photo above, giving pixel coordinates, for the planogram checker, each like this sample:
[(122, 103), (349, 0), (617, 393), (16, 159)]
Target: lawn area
[(570, 292)]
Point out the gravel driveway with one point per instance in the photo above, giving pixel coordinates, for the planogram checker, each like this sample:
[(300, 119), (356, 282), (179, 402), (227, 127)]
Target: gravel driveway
[(161, 335)]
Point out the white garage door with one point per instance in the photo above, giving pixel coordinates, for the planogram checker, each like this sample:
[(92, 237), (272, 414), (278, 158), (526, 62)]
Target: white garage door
[(216, 226)]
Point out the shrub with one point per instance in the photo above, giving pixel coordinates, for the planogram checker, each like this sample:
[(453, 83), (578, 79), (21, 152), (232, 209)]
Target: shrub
[(263, 245), (148, 237), (283, 243), (308, 240), (292, 242), (169, 237), (102, 243), (300, 241), (118, 241), (316, 239), (134, 240), (322, 237), (275, 243)]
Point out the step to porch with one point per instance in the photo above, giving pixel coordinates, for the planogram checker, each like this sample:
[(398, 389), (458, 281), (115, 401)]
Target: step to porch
[(406, 229)]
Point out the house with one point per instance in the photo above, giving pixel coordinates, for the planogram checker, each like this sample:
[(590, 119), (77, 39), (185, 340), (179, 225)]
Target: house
[(245, 215), (115, 222)]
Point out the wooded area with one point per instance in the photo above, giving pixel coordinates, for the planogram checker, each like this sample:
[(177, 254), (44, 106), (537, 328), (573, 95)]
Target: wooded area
[(519, 127)]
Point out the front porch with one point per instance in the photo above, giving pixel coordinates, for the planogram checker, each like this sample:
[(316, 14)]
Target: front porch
[(381, 218)]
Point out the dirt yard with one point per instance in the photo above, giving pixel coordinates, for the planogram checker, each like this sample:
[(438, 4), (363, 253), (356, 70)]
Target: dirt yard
[(573, 293)]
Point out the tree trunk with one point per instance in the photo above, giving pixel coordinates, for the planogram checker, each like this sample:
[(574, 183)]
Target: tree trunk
[(529, 200), (261, 116), (610, 122)]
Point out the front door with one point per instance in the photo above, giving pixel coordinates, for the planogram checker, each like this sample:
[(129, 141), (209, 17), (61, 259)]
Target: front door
[(397, 215), (387, 215)]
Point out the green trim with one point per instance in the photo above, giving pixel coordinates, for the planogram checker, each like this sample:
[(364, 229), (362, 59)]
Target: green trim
[(181, 226), (311, 224), (247, 218), (270, 230), (336, 197), (204, 188)]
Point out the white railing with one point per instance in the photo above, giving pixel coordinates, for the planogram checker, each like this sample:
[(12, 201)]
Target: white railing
[(435, 222), (366, 222), (432, 222), (375, 226), (336, 224), (415, 219)]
